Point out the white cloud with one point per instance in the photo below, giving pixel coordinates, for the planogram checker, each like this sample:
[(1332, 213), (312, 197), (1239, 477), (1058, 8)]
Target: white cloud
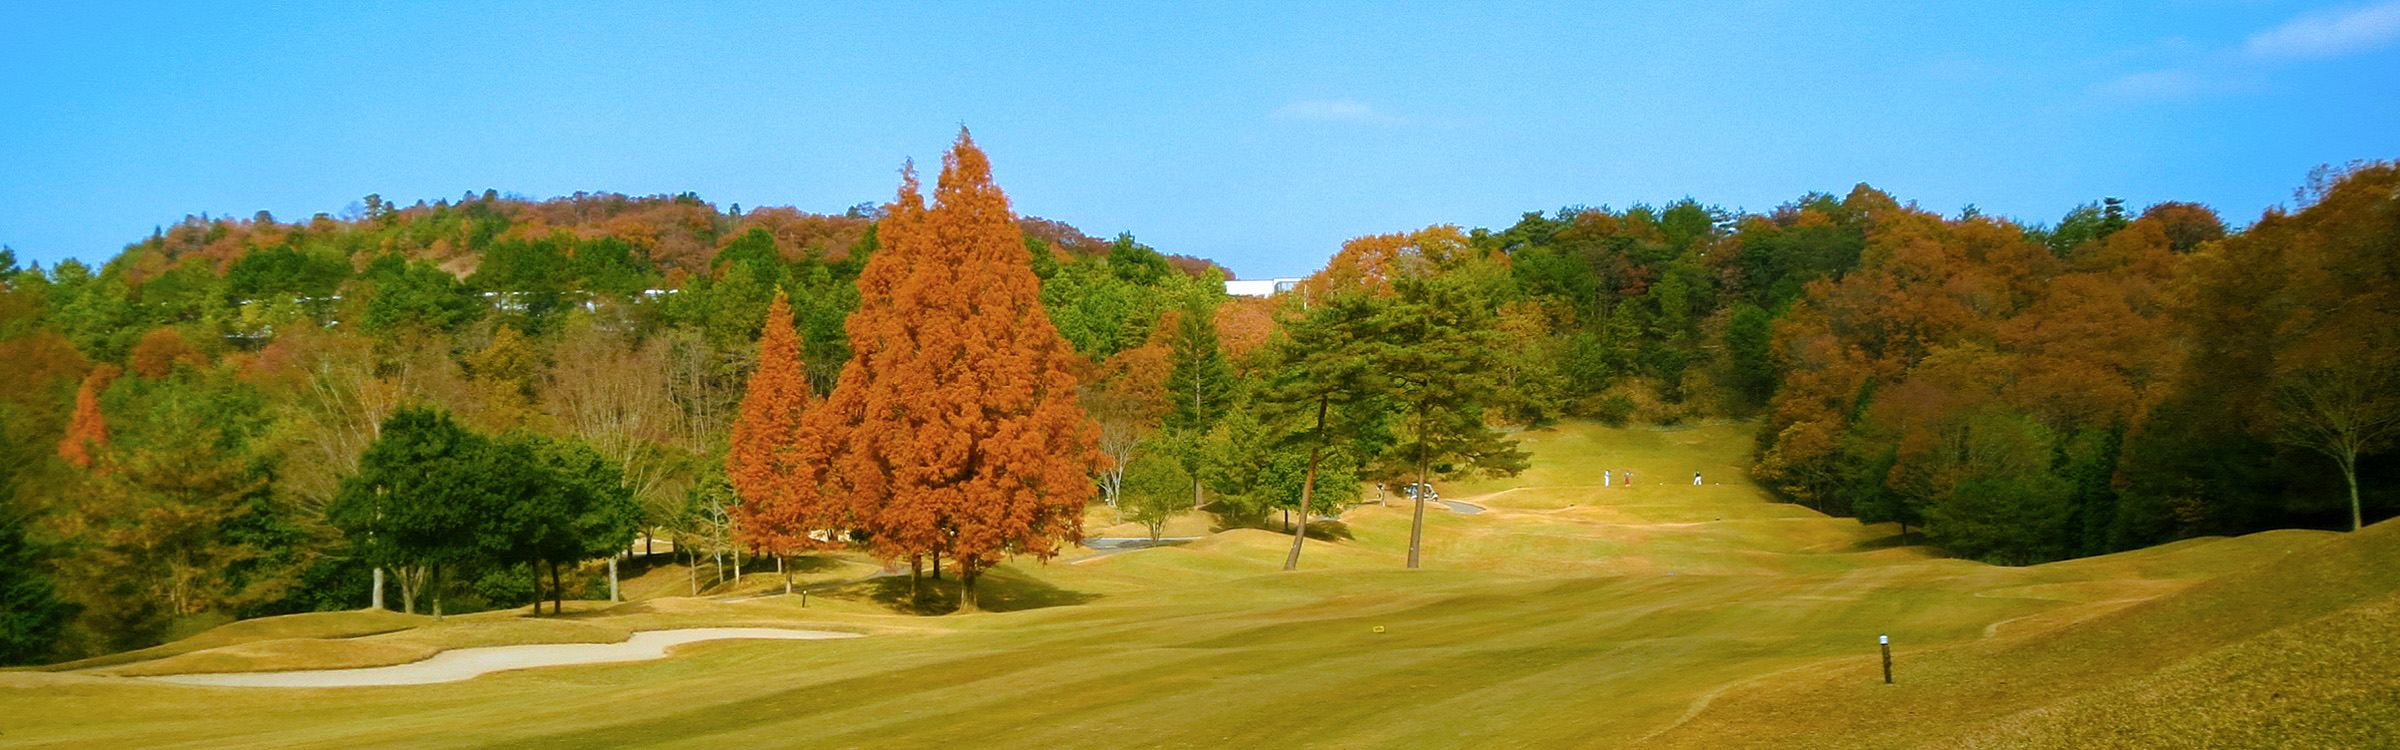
[(2316, 35), (1331, 110), (2329, 33)]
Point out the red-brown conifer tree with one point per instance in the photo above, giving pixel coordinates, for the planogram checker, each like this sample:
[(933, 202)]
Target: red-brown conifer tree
[(955, 427), (779, 503), (88, 432)]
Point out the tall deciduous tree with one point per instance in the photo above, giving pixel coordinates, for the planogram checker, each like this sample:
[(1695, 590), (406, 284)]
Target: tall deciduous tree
[(2337, 389), (2291, 340), (955, 425), (2341, 410), (617, 398), (765, 462)]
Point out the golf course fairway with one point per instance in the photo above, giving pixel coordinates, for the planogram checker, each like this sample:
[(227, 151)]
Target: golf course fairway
[(1565, 615)]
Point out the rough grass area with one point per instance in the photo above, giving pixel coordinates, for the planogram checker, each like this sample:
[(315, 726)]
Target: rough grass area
[(1565, 615)]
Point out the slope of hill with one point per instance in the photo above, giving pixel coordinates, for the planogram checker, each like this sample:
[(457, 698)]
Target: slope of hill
[(2292, 649)]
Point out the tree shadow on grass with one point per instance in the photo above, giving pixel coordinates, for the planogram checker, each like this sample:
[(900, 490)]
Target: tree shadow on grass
[(707, 571), (807, 564), (996, 591), (1322, 530), (764, 568), (637, 564), (1894, 541), (1329, 531)]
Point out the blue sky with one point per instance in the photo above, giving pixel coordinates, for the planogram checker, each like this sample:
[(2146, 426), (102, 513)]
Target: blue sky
[(1258, 136)]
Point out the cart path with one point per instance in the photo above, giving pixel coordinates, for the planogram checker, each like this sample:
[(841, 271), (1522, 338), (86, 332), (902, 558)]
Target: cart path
[(466, 663)]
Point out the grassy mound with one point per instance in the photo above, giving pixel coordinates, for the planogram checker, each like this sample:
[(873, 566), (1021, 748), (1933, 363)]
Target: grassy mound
[(283, 654), (309, 625)]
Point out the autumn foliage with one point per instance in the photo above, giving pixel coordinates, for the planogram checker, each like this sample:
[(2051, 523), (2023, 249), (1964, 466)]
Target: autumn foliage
[(955, 430), (2009, 392), (1372, 262), (1954, 378), (88, 431), (779, 504), (160, 350), (2122, 384)]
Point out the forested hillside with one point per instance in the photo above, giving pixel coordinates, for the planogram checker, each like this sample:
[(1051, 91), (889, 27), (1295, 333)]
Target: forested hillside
[(2019, 394), (181, 421)]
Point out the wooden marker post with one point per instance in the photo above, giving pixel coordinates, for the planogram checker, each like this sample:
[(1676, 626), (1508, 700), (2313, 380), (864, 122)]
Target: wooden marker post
[(1886, 642)]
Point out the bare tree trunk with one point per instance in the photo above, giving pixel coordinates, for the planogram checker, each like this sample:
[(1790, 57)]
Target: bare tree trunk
[(694, 570), (537, 587), (557, 593), (787, 575), (612, 581), (2350, 472), (1308, 489), (916, 571), (937, 566), (412, 580), (433, 576), (378, 598), (966, 591), (1416, 525)]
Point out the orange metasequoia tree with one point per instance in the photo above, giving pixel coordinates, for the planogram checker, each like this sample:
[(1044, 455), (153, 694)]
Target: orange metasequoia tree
[(779, 503), (88, 432), (955, 428)]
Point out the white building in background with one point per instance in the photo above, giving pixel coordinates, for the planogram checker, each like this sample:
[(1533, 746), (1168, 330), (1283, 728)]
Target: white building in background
[(1259, 287)]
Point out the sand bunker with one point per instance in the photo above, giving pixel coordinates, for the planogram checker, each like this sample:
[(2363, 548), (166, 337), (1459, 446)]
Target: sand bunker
[(460, 664)]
